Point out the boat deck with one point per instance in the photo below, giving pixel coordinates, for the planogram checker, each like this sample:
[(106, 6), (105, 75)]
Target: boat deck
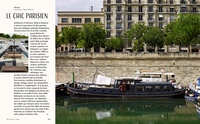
[(8, 56)]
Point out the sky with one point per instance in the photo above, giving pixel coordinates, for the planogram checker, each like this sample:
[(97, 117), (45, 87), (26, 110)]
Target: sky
[(78, 5)]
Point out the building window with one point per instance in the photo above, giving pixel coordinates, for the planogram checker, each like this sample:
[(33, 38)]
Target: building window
[(183, 1), (87, 20), (129, 17), (118, 33), (76, 20), (108, 34), (129, 8), (194, 9), (171, 10), (119, 26), (193, 2), (172, 18), (108, 17), (160, 18), (150, 1), (118, 1), (62, 29), (64, 20), (129, 1), (119, 17), (150, 8), (119, 8), (140, 18), (160, 9), (150, 24), (97, 20), (150, 17), (140, 8), (160, 25), (129, 25), (183, 9), (108, 26), (159, 1), (171, 1), (108, 1), (108, 9)]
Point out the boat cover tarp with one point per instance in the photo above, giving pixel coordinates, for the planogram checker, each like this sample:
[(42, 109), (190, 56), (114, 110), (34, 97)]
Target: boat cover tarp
[(103, 80)]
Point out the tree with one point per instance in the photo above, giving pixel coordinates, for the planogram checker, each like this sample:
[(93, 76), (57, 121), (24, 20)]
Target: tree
[(136, 32), (153, 37), (114, 44), (4, 35), (58, 38), (93, 35), (18, 36), (184, 30), (70, 35), (138, 46), (7, 36)]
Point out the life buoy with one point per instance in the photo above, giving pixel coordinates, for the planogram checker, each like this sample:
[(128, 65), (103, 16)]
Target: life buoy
[(120, 88)]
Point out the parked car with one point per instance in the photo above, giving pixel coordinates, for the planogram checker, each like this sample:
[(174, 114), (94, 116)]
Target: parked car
[(75, 50)]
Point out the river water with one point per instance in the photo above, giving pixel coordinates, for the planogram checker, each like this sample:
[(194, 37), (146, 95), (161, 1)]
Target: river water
[(146, 111)]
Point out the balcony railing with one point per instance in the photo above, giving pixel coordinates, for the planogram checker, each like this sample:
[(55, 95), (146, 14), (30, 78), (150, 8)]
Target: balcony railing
[(119, 19), (184, 11), (193, 2), (182, 2), (139, 11), (118, 27), (150, 19), (108, 27), (138, 2), (194, 11), (150, 10), (118, 11)]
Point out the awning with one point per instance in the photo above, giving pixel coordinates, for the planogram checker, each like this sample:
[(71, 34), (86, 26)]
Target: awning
[(160, 16)]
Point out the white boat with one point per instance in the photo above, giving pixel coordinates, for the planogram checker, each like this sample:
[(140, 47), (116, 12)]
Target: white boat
[(156, 76), (195, 87)]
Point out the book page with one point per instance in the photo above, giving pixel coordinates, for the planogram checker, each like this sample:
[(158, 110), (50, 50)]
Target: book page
[(27, 61)]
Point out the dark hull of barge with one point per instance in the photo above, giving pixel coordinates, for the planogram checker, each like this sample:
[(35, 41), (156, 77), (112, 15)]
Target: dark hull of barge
[(115, 93)]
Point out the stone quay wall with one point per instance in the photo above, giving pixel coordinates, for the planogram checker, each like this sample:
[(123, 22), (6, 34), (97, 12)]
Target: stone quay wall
[(186, 66)]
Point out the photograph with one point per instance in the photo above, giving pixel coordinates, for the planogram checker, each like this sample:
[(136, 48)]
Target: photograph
[(127, 61), (14, 53)]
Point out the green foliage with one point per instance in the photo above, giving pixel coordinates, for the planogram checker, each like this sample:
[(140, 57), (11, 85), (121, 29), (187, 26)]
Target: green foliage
[(153, 37), (93, 35), (114, 43), (70, 35), (184, 30), (18, 36), (58, 38), (4, 35), (138, 46), (136, 32)]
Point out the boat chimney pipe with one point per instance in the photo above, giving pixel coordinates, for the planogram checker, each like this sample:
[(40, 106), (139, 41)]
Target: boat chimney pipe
[(73, 78)]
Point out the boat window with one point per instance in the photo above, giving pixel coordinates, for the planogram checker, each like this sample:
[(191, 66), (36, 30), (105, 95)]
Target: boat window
[(158, 88), (149, 88), (140, 88), (167, 88)]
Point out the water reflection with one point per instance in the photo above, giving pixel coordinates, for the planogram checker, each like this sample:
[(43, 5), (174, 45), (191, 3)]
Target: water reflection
[(126, 111)]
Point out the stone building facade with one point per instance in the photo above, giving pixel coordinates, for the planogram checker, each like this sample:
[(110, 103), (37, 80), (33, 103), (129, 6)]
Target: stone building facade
[(77, 19), (120, 15)]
